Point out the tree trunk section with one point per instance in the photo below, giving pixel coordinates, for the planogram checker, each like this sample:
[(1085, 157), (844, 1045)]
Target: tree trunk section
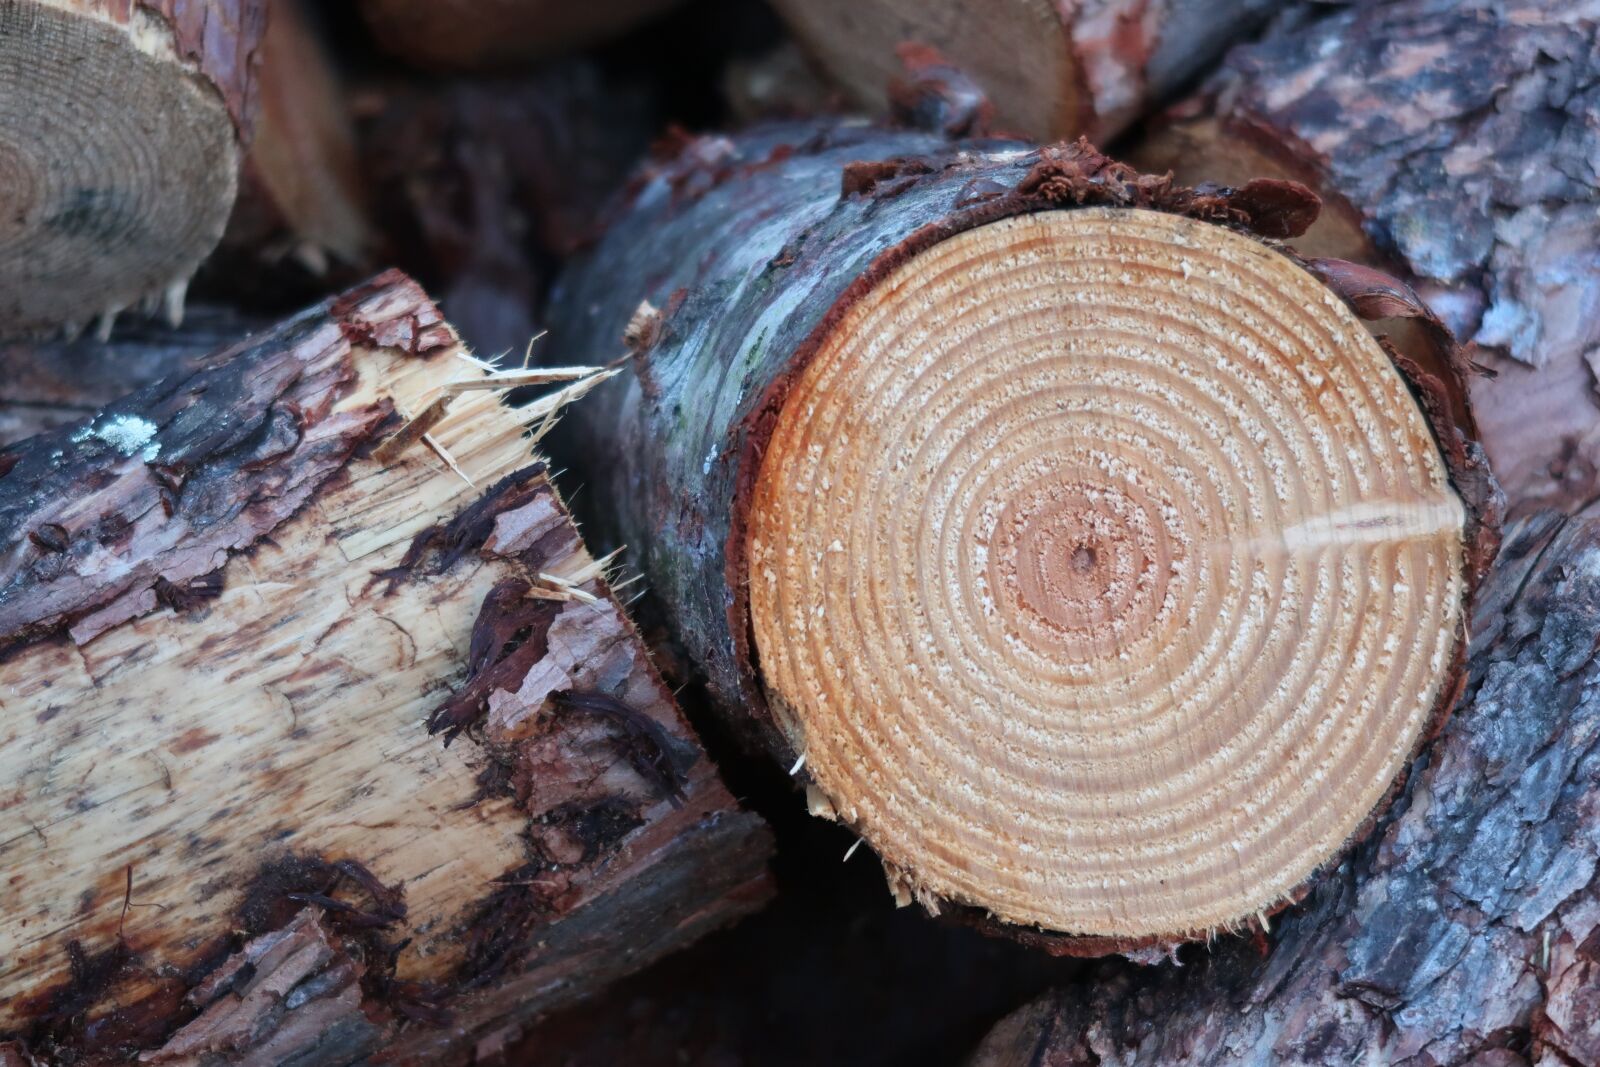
[(467, 35), (123, 127), (1455, 143), (245, 612), (1051, 69), (1467, 931), (915, 458)]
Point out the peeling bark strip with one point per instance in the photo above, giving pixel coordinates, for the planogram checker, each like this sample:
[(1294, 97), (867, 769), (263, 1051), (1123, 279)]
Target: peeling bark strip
[(893, 456), (1052, 69), (1455, 141), (230, 837), (1467, 931), (126, 126)]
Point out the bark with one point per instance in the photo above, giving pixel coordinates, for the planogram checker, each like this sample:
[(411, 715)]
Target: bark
[(47, 384), (301, 211), (733, 260), (481, 186), (244, 613), (123, 149), (1466, 932), (463, 35), (1052, 70), (1454, 142)]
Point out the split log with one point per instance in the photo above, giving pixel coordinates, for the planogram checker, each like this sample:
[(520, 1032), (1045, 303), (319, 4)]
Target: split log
[(46, 384), (1075, 544), (244, 613), (123, 126), (1467, 932), (476, 35), (1051, 69), (1455, 143)]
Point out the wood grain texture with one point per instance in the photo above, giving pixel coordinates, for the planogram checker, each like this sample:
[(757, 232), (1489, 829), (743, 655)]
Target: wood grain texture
[(229, 626), (1051, 69), (1454, 142), (1464, 933), (1105, 572), (121, 130), (753, 251)]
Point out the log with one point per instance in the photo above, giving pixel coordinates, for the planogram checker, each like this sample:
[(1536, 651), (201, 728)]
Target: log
[(46, 384), (1051, 69), (1455, 144), (1465, 932), (244, 613), (124, 124), (1073, 543), (486, 35)]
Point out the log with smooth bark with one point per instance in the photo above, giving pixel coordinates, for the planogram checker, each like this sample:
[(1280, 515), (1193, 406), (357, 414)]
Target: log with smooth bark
[(1075, 543), (1051, 69), (1467, 932), (244, 612), (1455, 143), (122, 125), (465, 35)]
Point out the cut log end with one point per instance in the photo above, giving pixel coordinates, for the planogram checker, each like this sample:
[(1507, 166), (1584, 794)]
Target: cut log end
[(1106, 573), (118, 164)]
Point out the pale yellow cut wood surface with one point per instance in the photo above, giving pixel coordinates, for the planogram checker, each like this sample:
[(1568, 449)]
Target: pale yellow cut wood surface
[(288, 715), (1105, 572), (118, 163)]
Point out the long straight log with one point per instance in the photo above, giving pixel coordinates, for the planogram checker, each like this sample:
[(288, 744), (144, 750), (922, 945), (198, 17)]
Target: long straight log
[(1467, 932), (1454, 143), (244, 613), (122, 127), (1071, 540)]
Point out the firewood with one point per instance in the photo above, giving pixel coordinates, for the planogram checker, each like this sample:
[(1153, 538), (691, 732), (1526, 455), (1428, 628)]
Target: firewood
[(123, 126), (466, 35), (1466, 931), (1455, 144), (1065, 533), (244, 614), (1051, 69)]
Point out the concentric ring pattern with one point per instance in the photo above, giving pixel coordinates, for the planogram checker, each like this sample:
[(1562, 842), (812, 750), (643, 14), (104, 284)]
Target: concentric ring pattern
[(1105, 571), (117, 168)]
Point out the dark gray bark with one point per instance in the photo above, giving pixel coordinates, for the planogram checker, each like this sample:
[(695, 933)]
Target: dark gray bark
[(1466, 932), (1455, 141)]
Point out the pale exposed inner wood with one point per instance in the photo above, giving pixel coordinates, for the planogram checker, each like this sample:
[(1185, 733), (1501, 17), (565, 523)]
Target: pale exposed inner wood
[(288, 717), (1017, 50), (118, 166), (1105, 572)]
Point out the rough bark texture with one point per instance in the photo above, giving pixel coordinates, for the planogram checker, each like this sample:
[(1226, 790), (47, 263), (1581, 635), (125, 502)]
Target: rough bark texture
[(46, 384), (746, 251), (1457, 142), (486, 34), (117, 178), (1051, 69), (230, 628), (1468, 931), (481, 185)]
